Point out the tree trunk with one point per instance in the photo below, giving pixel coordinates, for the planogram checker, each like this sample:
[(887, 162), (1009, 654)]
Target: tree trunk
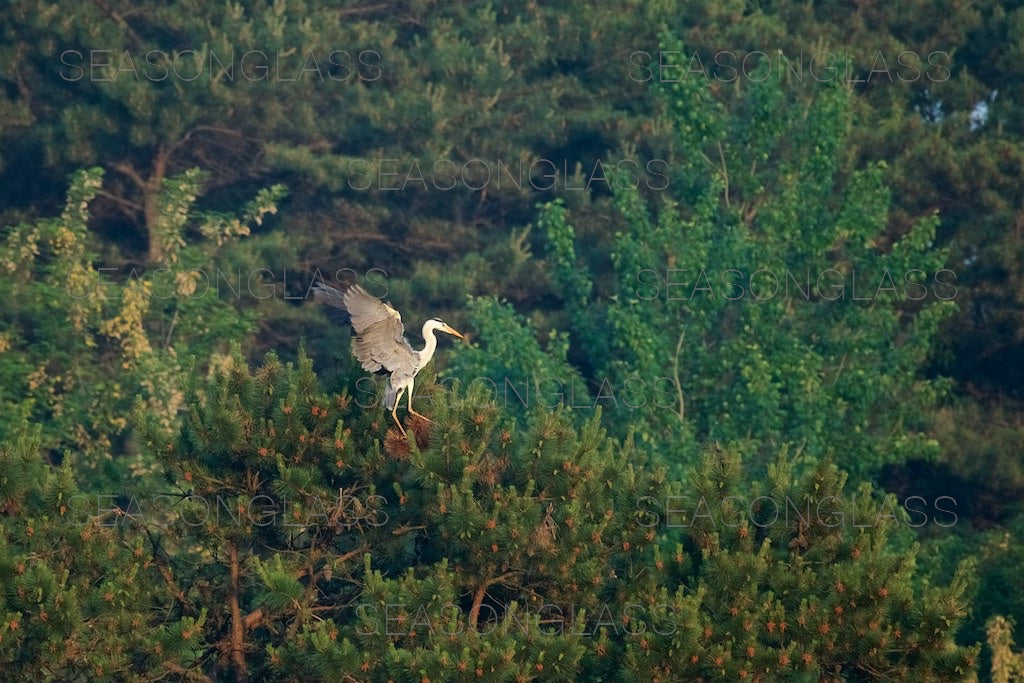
[(150, 188)]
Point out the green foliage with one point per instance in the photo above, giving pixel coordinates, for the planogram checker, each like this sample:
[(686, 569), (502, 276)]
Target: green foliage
[(77, 346), (471, 497), (475, 548), (404, 158), (746, 293), (81, 598), (797, 573), (982, 438), (352, 106), (513, 368)]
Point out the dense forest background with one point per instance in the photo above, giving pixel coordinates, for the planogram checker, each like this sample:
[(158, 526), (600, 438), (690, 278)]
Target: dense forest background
[(774, 249)]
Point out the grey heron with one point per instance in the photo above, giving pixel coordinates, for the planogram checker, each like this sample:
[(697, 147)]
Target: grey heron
[(379, 343)]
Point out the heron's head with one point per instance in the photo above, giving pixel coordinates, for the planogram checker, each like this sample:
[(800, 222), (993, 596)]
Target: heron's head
[(442, 326)]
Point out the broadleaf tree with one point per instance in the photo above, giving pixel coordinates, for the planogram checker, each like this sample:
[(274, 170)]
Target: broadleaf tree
[(758, 291)]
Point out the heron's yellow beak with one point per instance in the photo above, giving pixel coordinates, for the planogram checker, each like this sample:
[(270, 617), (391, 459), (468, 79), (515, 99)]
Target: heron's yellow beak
[(452, 331)]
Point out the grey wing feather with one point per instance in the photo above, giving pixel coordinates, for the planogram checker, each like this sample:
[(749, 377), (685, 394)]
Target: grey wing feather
[(380, 341), (331, 296)]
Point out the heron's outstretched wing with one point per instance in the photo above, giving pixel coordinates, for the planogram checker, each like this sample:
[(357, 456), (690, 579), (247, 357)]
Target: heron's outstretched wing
[(380, 336)]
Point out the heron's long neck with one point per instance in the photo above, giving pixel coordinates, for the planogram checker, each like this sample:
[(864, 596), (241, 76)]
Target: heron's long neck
[(431, 344)]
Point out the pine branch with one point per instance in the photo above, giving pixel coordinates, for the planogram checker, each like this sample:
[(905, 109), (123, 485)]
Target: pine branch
[(481, 593)]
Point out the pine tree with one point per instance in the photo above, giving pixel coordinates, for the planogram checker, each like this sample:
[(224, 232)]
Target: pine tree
[(81, 597), (466, 518), (796, 574), (322, 548)]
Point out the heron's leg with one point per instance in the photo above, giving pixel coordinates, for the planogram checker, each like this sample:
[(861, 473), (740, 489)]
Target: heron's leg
[(394, 410), (413, 412)]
